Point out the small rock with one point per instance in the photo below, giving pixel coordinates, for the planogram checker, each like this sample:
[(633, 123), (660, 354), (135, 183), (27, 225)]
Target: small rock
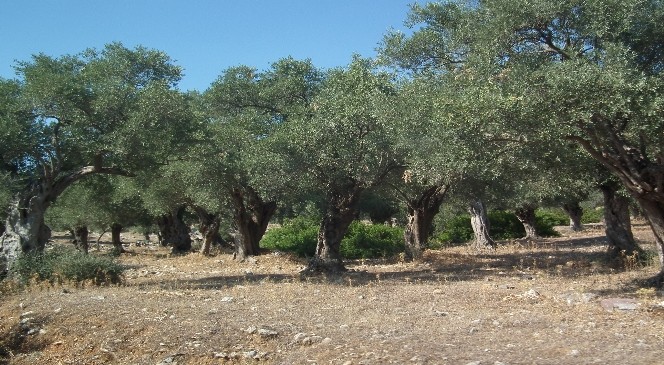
[(227, 299), (250, 354), (506, 286), (531, 294), (574, 353), (267, 332), (299, 337), (441, 313), (623, 304), (251, 330), (438, 291), (474, 363), (326, 341), (26, 314)]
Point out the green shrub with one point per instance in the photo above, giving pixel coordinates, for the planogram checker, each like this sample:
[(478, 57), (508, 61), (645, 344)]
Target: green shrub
[(455, 230), (553, 216), (299, 235), (504, 225), (365, 241), (592, 215), (66, 264)]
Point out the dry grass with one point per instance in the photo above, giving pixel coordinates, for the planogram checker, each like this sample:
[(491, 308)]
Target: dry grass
[(525, 303)]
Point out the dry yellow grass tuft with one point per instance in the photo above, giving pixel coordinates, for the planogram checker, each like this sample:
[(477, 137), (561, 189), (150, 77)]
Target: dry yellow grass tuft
[(524, 303)]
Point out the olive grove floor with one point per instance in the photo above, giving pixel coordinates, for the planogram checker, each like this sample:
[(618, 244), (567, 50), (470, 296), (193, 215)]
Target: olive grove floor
[(552, 301)]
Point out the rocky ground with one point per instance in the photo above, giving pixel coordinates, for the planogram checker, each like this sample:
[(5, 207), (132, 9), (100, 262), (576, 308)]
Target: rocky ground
[(552, 301)]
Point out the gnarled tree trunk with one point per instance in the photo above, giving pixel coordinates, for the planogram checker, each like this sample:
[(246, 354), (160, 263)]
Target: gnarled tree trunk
[(81, 234), (208, 225), (25, 229), (654, 212), (617, 224), (251, 218), (340, 212), (174, 232), (420, 215), (526, 215), (479, 220), (116, 240), (575, 212)]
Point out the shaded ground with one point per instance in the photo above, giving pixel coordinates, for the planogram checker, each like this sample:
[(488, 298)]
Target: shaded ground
[(525, 303)]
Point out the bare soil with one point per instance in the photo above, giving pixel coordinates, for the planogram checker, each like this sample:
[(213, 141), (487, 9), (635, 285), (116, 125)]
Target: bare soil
[(541, 302)]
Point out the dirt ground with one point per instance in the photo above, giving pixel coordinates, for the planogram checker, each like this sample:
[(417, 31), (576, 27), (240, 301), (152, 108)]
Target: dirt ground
[(545, 302)]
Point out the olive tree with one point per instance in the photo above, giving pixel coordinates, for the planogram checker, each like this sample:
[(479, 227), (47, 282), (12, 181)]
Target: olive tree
[(343, 146), (243, 108), (112, 111)]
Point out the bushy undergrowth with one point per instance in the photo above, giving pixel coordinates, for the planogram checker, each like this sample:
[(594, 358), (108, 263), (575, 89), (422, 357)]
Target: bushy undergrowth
[(299, 236), (504, 225), (65, 264)]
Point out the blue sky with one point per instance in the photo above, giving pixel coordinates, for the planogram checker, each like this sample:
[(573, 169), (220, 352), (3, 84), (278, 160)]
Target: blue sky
[(203, 36)]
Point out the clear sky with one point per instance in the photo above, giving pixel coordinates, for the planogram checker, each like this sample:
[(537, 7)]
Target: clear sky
[(203, 36)]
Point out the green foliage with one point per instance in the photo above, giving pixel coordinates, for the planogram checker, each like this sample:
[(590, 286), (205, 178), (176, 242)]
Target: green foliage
[(592, 215), (66, 264), (299, 235), (365, 241), (546, 220), (455, 230), (504, 225)]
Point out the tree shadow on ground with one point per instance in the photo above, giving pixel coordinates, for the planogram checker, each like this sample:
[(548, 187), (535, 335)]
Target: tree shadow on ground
[(516, 260)]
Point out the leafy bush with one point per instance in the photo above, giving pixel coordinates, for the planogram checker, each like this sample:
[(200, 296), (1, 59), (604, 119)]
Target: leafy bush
[(365, 241), (299, 235), (66, 264), (504, 225), (592, 215), (455, 230), (553, 216)]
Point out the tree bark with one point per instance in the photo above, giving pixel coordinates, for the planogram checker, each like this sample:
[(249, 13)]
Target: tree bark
[(575, 212), (81, 234), (526, 215), (208, 225), (174, 232), (25, 229), (116, 240), (654, 212), (617, 225), (251, 218), (420, 215), (341, 211), (480, 223)]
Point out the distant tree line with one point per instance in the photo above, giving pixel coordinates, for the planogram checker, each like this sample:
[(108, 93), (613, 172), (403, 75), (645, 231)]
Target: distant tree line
[(514, 104)]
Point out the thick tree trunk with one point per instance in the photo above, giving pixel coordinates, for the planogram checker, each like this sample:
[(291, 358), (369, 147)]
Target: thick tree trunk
[(575, 212), (479, 220), (340, 213), (174, 232), (208, 225), (251, 218), (526, 215), (81, 234), (420, 215), (25, 230), (654, 212), (618, 226), (116, 240)]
